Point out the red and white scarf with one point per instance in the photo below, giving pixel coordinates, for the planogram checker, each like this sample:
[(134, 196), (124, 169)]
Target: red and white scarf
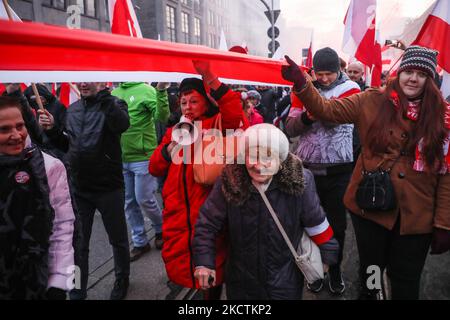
[(413, 114)]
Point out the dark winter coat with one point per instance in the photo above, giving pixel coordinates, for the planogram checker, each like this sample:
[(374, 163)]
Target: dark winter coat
[(91, 137), (260, 265), (25, 226)]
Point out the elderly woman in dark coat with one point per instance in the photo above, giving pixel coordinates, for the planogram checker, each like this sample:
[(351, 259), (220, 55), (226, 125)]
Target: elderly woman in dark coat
[(260, 265)]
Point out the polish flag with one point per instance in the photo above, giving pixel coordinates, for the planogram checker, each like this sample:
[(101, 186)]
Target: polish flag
[(359, 36), (63, 55), (68, 94), (123, 18), (435, 34)]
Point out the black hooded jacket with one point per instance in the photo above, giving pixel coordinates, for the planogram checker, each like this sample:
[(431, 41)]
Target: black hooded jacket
[(91, 137), (54, 106)]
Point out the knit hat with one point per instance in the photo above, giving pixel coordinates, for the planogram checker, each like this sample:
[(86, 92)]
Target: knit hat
[(190, 84), (254, 94), (326, 59), (419, 58), (268, 136)]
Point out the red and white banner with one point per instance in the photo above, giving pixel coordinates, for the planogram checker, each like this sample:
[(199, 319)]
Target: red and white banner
[(435, 34), (359, 36), (123, 18), (63, 55)]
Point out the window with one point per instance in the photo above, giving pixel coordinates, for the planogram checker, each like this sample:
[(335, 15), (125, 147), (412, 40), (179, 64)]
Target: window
[(87, 7), (90, 7), (80, 4), (106, 9), (185, 26), (197, 31), (170, 24), (210, 18), (60, 4)]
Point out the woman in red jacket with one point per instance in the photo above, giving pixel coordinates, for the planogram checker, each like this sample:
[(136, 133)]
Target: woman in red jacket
[(182, 196)]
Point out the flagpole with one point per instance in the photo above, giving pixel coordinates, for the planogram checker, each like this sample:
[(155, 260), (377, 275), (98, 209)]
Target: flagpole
[(33, 86)]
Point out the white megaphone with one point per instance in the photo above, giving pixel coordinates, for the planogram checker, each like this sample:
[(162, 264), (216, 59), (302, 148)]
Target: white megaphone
[(185, 132)]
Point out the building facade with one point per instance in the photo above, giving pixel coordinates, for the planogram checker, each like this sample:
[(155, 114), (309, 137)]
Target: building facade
[(185, 21), (94, 13)]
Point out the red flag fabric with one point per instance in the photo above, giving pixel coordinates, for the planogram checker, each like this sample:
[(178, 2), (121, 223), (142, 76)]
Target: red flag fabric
[(54, 88), (360, 36), (309, 58), (68, 94), (2, 88), (63, 55), (435, 33), (124, 20)]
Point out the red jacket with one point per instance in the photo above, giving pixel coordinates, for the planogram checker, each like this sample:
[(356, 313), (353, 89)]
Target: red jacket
[(183, 198), (255, 118)]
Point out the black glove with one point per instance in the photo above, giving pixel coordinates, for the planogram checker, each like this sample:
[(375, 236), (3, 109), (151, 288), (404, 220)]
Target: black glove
[(56, 294), (441, 241), (294, 74)]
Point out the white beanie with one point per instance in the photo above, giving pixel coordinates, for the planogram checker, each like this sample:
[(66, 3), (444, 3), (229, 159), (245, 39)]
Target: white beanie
[(267, 136)]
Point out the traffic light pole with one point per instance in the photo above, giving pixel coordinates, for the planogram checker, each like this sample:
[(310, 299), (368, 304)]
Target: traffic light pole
[(272, 22)]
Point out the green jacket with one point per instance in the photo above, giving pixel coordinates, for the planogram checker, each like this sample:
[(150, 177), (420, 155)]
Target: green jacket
[(146, 105)]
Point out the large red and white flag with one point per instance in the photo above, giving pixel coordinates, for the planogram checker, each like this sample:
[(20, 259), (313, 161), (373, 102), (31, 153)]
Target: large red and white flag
[(63, 55), (435, 34), (360, 35), (123, 18)]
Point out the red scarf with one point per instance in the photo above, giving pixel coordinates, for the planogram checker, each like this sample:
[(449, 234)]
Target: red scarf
[(413, 114)]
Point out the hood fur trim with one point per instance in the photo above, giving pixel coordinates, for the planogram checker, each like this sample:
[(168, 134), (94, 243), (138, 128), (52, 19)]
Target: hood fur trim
[(237, 185)]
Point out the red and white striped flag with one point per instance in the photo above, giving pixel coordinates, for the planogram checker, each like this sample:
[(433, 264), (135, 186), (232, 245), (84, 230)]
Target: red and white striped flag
[(68, 94), (435, 34), (63, 55), (360, 36), (123, 18)]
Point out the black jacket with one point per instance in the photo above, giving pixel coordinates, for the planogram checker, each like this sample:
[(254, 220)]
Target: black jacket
[(259, 263), (26, 219), (91, 137)]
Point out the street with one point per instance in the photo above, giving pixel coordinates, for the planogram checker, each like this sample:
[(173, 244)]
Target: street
[(148, 279)]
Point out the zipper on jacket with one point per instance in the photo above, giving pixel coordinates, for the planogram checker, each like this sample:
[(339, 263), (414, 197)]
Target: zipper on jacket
[(83, 120), (188, 211)]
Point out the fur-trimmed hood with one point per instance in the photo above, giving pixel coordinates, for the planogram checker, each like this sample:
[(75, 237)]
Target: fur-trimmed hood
[(237, 185)]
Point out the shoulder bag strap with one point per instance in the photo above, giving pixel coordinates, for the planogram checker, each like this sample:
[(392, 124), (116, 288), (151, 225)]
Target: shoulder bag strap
[(278, 223)]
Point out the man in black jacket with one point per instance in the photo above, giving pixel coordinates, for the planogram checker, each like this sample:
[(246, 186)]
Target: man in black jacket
[(91, 137)]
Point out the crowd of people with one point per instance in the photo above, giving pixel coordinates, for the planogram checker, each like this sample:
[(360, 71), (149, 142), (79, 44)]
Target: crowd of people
[(114, 149)]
